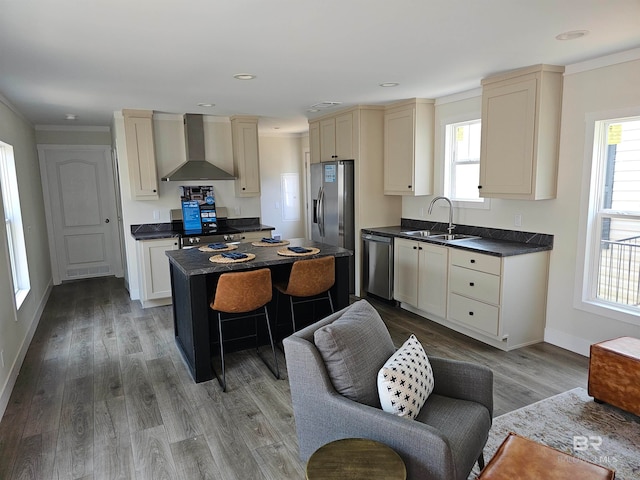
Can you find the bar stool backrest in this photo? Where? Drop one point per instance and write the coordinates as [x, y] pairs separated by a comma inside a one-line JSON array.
[[311, 277], [241, 292]]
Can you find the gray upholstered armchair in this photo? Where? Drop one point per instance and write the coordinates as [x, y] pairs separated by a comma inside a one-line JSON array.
[[445, 439]]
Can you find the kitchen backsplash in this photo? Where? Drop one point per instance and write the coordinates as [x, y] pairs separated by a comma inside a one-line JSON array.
[[495, 233]]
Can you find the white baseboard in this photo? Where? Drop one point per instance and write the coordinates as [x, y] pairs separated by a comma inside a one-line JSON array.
[[7, 388], [568, 342]]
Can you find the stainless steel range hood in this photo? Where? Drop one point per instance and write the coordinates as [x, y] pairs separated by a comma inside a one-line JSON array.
[[196, 168]]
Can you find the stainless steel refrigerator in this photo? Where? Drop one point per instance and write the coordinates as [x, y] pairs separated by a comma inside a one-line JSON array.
[[333, 211]]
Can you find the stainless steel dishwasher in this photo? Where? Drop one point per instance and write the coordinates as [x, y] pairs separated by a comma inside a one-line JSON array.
[[377, 265]]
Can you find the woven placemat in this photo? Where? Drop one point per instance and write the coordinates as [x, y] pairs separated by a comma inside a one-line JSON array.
[[288, 253], [204, 248], [221, 259], [267, 244]]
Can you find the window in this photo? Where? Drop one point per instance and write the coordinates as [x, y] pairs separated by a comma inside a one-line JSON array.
[[462, 161], [612, 264], [17, 251]]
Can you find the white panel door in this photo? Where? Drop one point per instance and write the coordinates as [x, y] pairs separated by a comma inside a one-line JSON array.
[[80, 205]]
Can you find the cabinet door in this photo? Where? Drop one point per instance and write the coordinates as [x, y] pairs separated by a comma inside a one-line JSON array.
[[405, 271], [141, 157], [344, 137], [156, 281], [327, 139], [508, 131], [314, 142], [246, 158], [432, 279], [399, 151]]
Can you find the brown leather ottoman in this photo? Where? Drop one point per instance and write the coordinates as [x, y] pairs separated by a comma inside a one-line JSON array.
[[614, 373], [519, 458]]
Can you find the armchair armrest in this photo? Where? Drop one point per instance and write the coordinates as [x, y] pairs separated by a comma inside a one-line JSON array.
[[463, 380]]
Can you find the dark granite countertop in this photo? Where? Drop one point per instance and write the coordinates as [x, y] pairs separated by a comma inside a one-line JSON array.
[[154, 231], [510, 243], [192, 261]]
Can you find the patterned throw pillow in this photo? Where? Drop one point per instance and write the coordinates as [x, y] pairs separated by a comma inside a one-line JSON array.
[[405, 381]]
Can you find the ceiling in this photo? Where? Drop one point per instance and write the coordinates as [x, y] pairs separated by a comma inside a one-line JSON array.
[[91, 58]]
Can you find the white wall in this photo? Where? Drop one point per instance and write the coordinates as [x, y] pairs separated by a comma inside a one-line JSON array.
[[17, 328], [596, 90]]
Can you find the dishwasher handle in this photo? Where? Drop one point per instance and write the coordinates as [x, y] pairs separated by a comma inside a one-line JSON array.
[[376, 238]]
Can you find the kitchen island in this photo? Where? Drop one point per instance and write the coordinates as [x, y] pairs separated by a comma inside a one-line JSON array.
[[193, 283]]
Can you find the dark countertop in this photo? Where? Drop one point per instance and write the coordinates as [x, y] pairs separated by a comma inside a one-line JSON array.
[[154, 231], [488, 246], [192, 261]]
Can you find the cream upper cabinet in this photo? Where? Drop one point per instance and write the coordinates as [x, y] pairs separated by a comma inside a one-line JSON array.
[[141, 157], [153, 268], [420, 275], [520, 133], [314, 141], [336, 138], [246, 159], [408, 148]]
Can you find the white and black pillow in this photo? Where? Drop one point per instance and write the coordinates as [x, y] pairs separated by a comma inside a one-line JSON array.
[[406, 380]]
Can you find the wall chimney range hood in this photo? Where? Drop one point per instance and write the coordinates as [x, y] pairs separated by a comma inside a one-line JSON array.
[[196, 167]]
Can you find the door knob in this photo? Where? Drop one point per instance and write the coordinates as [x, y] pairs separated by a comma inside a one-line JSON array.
[[106, 221]]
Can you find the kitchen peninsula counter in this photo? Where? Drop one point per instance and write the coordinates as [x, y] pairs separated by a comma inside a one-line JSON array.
[[193, 283]]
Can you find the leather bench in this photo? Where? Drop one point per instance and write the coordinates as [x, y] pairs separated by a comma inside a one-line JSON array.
[[614, 373], [523, 459]]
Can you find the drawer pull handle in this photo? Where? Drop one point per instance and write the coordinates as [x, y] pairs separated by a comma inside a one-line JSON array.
[[472, 261], [471, 313], [415, 248], [471, 284]]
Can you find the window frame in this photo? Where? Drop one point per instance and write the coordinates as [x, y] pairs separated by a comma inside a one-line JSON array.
[[15, 248], [445, 123], [591, 216]]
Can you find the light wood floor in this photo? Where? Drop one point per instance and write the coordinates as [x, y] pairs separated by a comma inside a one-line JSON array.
[[104, 394]]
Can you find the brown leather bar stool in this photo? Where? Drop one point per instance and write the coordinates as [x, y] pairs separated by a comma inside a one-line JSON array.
[[308, 280], [245, 293]]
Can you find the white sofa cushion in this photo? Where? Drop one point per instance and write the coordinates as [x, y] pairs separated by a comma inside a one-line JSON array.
[[405, 381]]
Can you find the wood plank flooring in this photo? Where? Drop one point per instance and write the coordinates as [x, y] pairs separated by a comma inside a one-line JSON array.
[[104, 394]]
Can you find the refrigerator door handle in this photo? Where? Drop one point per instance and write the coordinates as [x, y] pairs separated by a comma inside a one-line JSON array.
[[321, 211]]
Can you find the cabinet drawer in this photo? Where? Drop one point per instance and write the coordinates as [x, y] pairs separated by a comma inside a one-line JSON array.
[[476, 261], [472, 283], [475, 314]]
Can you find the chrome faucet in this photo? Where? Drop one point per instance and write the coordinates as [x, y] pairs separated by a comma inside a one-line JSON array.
[[451, 225]]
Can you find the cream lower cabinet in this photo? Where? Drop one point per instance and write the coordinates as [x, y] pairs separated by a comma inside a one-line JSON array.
[[153, 271], [498, 300], [420, 275]]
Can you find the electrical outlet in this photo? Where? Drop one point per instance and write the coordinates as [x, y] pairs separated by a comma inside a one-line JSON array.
[[517, 220], [237, 210], [422, 212], [277, 205], [156, 214]]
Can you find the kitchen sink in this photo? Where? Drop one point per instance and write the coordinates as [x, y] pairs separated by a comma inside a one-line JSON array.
[[423, 233], [453, 237]]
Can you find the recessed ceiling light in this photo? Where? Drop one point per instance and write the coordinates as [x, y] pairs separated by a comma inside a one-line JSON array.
[[208, 105], [389, 84], [71, 116], [244, 76], [327, 104], [572, 35]]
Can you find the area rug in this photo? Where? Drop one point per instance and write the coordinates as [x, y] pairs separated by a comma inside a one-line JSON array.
[[573, 423]]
